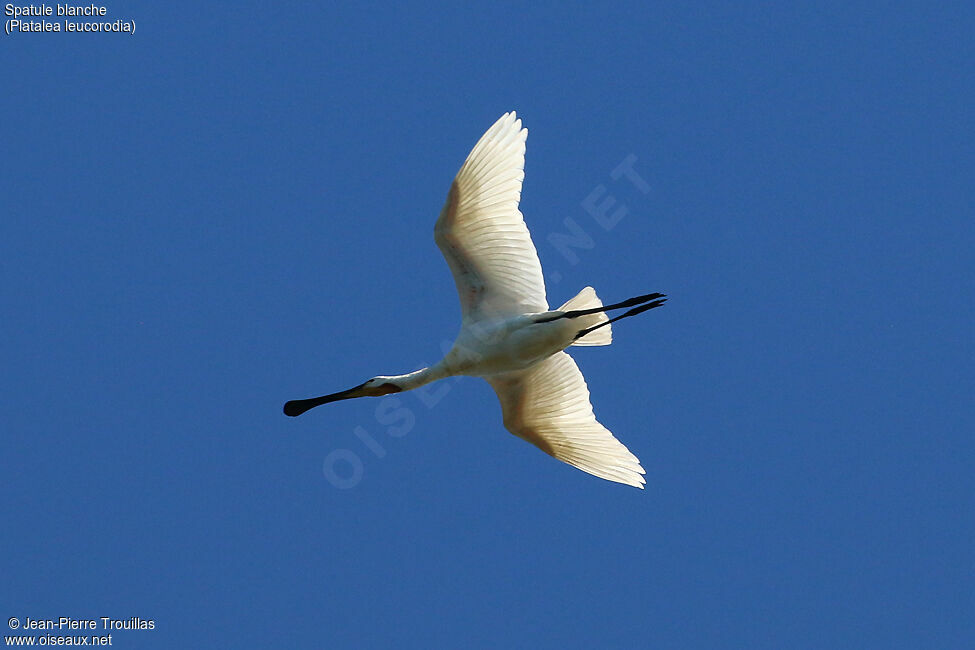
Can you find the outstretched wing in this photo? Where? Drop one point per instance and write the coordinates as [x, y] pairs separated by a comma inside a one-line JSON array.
[[548, 405], [482, 234]]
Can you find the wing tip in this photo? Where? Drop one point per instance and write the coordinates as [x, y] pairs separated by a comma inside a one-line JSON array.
[[511, 121], [627, 476]]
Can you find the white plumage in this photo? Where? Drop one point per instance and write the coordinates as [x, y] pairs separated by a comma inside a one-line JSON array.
[[481, 231], [508, 334]]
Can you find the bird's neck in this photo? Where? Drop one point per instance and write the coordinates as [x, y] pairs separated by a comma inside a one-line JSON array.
[[421, 377]]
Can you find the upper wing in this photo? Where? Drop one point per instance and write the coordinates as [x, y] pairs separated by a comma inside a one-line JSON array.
[[482, 234], [548, 405]]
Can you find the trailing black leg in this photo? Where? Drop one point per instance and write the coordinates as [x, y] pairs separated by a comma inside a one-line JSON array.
[[633, 312], [619, 305]]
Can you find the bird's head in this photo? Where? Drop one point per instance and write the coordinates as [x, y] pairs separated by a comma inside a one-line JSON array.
[[375, 387]]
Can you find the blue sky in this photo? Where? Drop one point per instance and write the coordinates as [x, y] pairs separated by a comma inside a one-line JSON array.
[[234, 207]]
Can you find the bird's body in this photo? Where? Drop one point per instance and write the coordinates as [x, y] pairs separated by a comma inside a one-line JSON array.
[[508, 334], [506, 345]]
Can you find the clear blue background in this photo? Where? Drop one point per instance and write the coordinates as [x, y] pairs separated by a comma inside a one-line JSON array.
[[234, 207]]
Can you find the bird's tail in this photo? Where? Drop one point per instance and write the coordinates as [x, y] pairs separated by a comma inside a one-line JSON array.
[[587, 299]]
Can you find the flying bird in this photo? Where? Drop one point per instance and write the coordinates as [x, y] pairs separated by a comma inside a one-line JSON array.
[[508, 334]]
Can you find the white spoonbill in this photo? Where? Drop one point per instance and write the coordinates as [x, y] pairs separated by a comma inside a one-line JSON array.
[[508, 334]]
